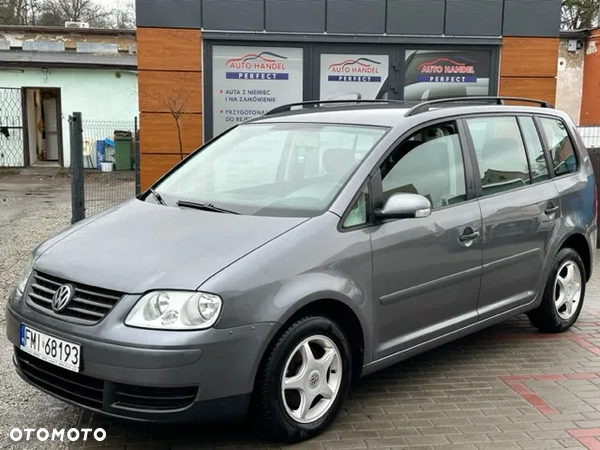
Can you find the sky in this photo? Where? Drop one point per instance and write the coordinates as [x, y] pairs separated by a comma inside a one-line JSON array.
[[111, 3]]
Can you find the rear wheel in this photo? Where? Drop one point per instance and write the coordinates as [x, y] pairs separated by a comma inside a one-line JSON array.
[[563, 295], [305, 379]]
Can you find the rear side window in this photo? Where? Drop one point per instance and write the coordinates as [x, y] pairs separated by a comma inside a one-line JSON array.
[[535, 150], [500, 153], [560, 145]]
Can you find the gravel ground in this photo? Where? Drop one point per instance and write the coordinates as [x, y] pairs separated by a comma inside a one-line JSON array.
[[31, 208]]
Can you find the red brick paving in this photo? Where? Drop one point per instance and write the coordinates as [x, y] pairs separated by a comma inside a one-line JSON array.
[[515, 382], [587, 437], [508, 387]]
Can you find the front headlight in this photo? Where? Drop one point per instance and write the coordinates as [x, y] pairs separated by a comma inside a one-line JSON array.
[[175, 310], [25, 274]]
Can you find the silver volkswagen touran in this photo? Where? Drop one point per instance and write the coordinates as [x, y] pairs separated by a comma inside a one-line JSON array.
[[304, 249]]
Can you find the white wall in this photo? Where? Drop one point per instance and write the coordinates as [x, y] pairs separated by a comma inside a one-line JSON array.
[[569, 80], [97, 93]]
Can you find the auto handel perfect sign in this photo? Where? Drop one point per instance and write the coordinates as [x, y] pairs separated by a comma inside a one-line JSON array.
[[431, 74], [353, 76], [249, 81]]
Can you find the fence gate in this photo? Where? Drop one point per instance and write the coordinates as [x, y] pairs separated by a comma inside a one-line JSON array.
[[11, 128]]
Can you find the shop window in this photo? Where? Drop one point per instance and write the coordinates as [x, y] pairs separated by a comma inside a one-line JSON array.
[[354, 76], [437, 74], [249, 81]]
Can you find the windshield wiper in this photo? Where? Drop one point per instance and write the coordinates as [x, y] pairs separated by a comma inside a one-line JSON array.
[[204, 207], [157, 197]]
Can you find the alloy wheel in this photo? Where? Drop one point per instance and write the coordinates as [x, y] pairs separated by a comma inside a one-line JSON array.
[[311, 379], [567, 289]]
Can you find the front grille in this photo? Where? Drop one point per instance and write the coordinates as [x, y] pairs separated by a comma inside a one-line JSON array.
[[90, 392], [151, 398], [88, 306], [63, 383]]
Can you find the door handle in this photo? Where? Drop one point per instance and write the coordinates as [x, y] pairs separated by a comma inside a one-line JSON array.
[[469, 235], [551, 209]]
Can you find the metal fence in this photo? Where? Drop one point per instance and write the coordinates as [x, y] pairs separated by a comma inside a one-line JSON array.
[[104, 163], [590, 136], [11, 128]]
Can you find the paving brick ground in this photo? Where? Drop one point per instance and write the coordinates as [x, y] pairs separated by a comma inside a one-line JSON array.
[[508, 387]]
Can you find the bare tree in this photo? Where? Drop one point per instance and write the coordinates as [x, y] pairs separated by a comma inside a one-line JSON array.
[[57, 12], [579, 14], [123, 15], [177, 104], [178, 107], [17, 12]]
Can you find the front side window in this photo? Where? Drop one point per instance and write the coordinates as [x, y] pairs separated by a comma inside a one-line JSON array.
[[279, 169], [359, 214], [562, 153], [500, 153], [429, 163]]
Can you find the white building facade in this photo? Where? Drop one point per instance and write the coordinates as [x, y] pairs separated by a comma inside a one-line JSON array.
[[46, 74]]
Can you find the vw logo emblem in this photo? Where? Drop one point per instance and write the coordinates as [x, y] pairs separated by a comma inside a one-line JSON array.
[[313, 381], [62, 297]]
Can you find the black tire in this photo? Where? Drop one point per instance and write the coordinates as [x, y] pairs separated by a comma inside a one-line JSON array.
[[270, 402], [546, 317]]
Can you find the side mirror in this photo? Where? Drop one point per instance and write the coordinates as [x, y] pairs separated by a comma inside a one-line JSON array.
[[404, 206]]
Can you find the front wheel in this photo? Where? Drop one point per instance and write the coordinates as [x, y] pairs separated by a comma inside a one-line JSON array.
[[305, 379], [563, 294]]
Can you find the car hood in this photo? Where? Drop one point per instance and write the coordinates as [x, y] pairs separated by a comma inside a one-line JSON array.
[[140, 246]]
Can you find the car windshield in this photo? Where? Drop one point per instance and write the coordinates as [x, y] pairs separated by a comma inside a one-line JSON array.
[[276, 169]]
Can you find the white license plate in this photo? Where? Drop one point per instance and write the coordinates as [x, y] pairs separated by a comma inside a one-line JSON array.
[[50, 349]]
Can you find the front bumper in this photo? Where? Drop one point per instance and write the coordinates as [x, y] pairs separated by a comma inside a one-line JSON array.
[[211, 380]]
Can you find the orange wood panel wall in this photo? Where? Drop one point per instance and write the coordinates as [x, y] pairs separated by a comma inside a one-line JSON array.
[[169, 80], [528, 67], [590, 101]]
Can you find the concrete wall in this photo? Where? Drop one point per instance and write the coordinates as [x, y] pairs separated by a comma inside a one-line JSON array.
[[569, 79], [58, 39], [97, 94]]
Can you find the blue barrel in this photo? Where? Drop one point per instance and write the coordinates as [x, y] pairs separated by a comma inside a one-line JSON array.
[[100, 153]]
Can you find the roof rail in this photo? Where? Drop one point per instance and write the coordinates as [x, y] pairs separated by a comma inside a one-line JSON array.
[[425, 106], [316, 103]]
